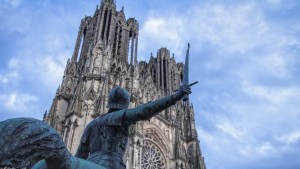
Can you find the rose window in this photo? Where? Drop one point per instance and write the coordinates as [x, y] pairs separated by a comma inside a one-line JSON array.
[[152, 157]]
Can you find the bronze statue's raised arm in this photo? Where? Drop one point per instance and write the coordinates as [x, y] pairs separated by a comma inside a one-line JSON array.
[[84, 146], [148, 110]]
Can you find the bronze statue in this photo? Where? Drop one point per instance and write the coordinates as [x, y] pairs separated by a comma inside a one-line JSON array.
[[104, 140], [25, 141]]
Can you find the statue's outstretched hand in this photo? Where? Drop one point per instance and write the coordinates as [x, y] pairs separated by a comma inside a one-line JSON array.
[[184, 90]]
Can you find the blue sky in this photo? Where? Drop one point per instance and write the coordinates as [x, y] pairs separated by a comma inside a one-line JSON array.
[[245, 55]]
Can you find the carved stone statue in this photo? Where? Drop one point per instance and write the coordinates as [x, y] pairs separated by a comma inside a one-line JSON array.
[[98, 52]]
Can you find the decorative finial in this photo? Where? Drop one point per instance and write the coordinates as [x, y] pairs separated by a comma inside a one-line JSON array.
[[45, 116]]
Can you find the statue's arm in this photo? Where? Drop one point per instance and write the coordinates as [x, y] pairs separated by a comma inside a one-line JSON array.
[[148, 110], [83, 150]]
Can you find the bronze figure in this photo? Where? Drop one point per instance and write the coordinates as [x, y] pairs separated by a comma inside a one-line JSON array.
[[104, 140]]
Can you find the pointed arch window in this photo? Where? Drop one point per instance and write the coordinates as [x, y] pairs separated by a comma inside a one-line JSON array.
[[81, 43]]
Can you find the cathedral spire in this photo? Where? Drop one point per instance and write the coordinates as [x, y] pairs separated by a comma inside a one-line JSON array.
[[96, 10]]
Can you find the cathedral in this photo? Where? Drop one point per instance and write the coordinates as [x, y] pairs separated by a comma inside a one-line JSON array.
[[105, 56]]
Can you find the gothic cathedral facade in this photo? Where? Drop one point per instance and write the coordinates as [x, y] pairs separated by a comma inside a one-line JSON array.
[[105, 56]]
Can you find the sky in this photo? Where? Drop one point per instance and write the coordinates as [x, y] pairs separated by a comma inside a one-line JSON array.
[[245, 55]]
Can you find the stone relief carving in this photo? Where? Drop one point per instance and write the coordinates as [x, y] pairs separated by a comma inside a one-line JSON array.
[[98, 53], [88, 106], [69, 85]]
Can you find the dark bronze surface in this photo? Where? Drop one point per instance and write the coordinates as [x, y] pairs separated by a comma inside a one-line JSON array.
[[106, 136]]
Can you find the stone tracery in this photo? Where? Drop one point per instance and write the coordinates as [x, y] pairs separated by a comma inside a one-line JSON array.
[[152, 156]]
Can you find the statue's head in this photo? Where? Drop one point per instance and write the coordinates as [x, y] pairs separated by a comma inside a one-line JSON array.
[[118, 99]]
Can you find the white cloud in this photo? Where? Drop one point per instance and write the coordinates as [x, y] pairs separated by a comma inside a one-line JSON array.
[[231, 130], [13, 63], [290, 138], [274, 2], [157, 30], [274, 95], [18, 102], [8, 4], [9, 77], [265, 149], [52, 69], [276, 65], [163, 29], [47, 70], [3, 79], [233, 28], [15, 3]]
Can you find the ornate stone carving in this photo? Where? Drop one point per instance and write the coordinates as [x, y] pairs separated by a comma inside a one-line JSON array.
[[152, 157]]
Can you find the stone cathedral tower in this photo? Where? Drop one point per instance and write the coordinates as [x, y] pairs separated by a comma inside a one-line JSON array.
[[105, 56]]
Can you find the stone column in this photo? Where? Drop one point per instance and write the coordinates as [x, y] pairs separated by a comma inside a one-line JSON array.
[[136, 48]]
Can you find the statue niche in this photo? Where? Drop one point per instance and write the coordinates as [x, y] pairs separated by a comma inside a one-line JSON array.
[[89, 102], [69, 86], [88, 107], [99, 54]]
